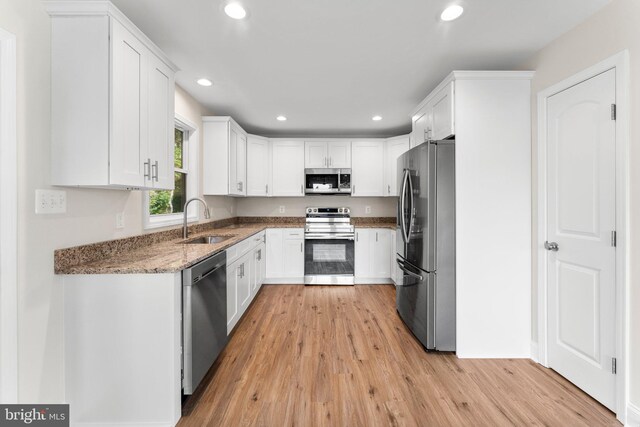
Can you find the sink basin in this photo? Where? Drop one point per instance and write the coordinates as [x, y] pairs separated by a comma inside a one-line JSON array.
[[208, 240]]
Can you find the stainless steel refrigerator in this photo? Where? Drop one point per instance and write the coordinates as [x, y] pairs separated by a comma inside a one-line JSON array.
[[425, 240]]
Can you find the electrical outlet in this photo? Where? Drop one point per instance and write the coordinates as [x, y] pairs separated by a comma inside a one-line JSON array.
[[51, 202], [120, 220], [281, 209], [367, 209]]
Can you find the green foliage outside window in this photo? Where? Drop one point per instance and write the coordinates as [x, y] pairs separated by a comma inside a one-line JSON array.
[[164, 202]]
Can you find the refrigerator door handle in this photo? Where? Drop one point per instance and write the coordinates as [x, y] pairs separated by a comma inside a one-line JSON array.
[[411, 213], [402, 201]]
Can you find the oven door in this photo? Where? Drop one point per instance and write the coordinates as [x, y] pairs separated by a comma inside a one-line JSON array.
[[329, 259]]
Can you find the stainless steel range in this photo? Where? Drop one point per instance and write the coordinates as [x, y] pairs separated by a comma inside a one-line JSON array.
[[329, 247]]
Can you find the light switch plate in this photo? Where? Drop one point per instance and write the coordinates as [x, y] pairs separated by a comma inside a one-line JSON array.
[[367, 209], [51, 202], [281, 209]]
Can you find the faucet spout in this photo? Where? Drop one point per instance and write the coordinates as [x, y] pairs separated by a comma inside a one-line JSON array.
[[207, 215]]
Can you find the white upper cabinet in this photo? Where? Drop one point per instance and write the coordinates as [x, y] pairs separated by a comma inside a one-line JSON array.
[[315, 154], [442, 116], [258, 166], [327, 154], [224, 157], [287, 168], [339, 154], [435, 119], [394, 147], [112, 101], [367, 177]]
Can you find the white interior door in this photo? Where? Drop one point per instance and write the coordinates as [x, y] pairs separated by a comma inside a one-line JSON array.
[[581, 220]]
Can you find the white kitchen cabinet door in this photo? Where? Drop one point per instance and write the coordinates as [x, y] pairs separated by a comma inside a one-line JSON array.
[[288, 168], [275, 253], [129, 157], [362, 256], [367, 168], [259, 268], [161, 125], [394, 147], [380, 239], [245, 281], [237, 160], [315, 154], [339, 154], [293, 264], [442, 113], [421, 127], [258, 164], [233, 279]]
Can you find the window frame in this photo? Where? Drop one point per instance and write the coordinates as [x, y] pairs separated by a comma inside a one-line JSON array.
[[190, 156]]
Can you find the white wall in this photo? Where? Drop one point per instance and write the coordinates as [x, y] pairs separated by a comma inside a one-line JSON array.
[[90, 214], [295, 206], [611, 30]]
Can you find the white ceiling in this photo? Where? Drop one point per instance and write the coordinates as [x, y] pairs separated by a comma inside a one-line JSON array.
[[330, 65]]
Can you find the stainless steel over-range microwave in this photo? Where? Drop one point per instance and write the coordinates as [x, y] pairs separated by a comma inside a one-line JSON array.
[[327, 181]]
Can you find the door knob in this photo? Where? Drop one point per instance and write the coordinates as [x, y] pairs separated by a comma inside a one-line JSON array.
[[553, 246]]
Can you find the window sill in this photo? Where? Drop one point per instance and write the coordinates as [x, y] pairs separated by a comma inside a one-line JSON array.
[[168, 220]]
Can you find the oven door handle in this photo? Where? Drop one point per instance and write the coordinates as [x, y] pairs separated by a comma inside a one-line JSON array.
[[321, 236]]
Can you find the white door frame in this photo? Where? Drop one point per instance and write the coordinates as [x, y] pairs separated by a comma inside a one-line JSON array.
[[8, 222], [619, 62]]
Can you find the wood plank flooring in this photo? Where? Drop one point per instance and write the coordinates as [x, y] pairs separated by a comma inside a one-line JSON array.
[[340, 356]]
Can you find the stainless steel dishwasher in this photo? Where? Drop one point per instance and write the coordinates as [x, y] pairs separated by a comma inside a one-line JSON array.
[[204, 318]]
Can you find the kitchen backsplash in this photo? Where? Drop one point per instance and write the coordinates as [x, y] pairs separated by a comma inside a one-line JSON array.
[[295, 206]]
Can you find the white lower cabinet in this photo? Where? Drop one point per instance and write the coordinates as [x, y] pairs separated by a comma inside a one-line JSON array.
[[373, 249], [285, 255], [244, 276]]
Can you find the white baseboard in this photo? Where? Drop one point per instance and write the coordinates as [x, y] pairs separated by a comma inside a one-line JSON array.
[[386, 281], [534, 352], [284, 281], [633, 416]]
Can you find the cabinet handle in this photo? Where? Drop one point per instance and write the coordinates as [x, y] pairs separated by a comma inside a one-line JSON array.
[[388, 189], [330, 161], [300, 246], [376, 236], [325, 162], [266, 188], [356, 237], [147, 169], [353, 189], [239, 186], [154, 168], [260, 255], [239, 271], [302, 189]]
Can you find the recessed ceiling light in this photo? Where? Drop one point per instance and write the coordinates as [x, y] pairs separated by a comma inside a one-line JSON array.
[[376, 118], [235, 11], [204, 82], [451, 13], [281, 118]]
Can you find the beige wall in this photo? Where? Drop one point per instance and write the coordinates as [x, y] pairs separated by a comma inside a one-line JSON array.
[[295, 206], [614, 28], [90, 214]]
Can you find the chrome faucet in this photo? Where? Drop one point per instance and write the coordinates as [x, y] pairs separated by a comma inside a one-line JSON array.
[[207, 215]]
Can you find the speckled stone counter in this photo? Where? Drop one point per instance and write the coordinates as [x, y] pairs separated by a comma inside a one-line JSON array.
[[167, 252]]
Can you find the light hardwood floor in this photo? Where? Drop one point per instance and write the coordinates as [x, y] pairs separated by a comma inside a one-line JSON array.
[[340, 356]]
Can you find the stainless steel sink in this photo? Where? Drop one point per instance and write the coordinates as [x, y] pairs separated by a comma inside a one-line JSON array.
[[208, 240]]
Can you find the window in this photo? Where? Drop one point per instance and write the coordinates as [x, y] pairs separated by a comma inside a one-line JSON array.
[[164, 207]]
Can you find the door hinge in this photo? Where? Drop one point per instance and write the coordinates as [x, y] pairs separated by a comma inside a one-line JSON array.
[[614, 367], [614, 239], [613, 111]]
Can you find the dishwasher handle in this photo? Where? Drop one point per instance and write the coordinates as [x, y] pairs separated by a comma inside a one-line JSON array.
[[203, 275]]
